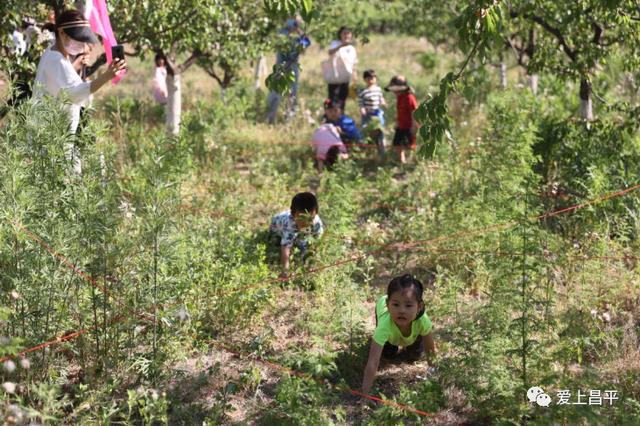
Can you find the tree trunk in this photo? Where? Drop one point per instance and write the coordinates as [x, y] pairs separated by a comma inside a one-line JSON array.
[[261, 70], [586, 106], [533, 83], [174, 103], [503, 74]]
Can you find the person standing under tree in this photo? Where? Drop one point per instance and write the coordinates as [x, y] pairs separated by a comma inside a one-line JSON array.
[[298, 42], [160, 80], [19, 44], [340, 69], [57, 73]]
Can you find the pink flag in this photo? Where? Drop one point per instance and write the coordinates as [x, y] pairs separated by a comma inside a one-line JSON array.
[[96, 13]]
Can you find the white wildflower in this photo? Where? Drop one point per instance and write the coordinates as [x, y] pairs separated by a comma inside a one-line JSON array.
[[25, 363], [15, 295], [182, 314], [126, 209], [17, 413], [9, 387], [9, 366]]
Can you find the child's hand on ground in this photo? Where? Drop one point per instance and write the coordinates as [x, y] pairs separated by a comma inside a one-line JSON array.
[[366, 404]]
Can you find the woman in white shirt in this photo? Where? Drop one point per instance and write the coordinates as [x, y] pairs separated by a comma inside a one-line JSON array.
[[346, 58], [57, 73]]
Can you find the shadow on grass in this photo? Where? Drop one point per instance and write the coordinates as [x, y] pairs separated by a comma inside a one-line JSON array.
[[352, 360], [299, 267], [184, 407]]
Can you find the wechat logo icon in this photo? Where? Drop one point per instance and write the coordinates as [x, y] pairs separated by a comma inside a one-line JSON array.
[[536, 394]]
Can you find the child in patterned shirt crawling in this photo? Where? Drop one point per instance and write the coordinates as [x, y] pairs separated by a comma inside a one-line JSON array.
[[294, 227]]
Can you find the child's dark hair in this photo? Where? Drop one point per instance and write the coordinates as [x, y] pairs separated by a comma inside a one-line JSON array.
[[404, 282], [343, 28], [159, 56], [332, 103], [304, 202]]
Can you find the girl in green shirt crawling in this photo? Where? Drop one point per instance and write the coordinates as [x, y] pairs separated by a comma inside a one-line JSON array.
[[400, 321]]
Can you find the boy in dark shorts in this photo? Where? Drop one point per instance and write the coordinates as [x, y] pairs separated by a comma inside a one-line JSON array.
[[406, 126]]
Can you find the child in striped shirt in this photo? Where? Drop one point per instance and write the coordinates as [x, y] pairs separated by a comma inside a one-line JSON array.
[[371, 101]]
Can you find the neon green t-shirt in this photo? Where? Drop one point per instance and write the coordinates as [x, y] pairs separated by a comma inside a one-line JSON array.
[[388, 332]]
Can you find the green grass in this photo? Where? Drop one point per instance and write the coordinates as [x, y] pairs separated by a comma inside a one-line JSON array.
[[206, 198]]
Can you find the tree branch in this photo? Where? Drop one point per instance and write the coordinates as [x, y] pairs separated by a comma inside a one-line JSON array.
[[172, 27], [633, 18], [213, 74], [531, 46], [468, 58], [172, 67], [597, 32], [518, 51], [191, 60], [556, 32], [169, 65]]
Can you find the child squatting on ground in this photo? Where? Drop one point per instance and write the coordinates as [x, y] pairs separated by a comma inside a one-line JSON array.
[[294, 227], [328, 146], [347, 127], [406, 127], [400, 321]]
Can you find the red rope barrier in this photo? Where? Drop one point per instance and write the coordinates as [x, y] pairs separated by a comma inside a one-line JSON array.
[[62, 259], [460, 234], [54, 341], [59, 339], [504, 253], [588, 203], [396, 245]]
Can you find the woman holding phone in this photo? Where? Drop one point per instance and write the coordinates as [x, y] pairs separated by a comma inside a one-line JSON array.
[[56, 71], [60, 66]]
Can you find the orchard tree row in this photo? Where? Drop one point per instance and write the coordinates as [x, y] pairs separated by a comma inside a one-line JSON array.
[[220, 36], [570, 39]]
